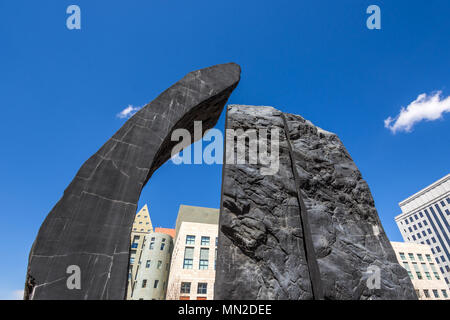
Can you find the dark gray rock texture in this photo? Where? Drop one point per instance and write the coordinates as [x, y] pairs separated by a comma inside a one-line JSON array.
[[310, 231], [90, 226]]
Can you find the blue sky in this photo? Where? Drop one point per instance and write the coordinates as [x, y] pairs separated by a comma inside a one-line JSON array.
[[61, 90]]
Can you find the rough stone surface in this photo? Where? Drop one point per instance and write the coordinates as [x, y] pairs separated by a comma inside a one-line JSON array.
[[90, 226], [311, 231]]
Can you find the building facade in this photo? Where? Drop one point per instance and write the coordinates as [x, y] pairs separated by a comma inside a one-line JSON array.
[[193, 267], [152, 269], [425, 275], [142, 225], [425, 219]]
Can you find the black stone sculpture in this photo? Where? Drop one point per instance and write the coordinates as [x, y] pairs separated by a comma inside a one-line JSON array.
[[309, 231], [90, 226]]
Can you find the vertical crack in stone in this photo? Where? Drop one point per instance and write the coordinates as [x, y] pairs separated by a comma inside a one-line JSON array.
[[313, 267]]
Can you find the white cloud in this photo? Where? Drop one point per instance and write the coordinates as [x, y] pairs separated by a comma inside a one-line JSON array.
[[425, 107], [128, 112]]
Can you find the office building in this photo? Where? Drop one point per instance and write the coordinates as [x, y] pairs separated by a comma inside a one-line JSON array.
[[425, 275], [192, 271], [425, 219]]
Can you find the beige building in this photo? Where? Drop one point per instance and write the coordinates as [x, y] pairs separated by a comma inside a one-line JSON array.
[[425, 275], [142, 226], [193, 267], [152, 269]]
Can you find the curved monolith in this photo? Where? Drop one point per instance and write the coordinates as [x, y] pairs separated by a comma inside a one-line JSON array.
[[87, 233]]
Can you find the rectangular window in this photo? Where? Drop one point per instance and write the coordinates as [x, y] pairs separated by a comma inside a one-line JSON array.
[[144, 283], [156, 284], [411, 256], [147, 264], [426, 293], [205, 241], [435, 293], [159, 264], [402, 256], [202, 288], [152, 245], [416, 268], [162, 246], [444, 293], [188, 258], [204, 258], [436, 274], [217, 241], [190, 239], [406, 266], [420, 257], [185, 287]]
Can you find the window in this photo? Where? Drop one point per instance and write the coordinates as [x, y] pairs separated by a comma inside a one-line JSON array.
[[153, 239], [414, 237], [217, 241], [205, 241], [202, 288], [447, 268], [447, 212], [416, 268], [163, 240], [159, 264], [443, 258], [162, 246], [131, 260], [436, 274], [147, 264], [425, 223], [402, 256], [411, 219], [426, 293], [144, 283], [204, 258], [190, 239], [438, 249], [420, 257], [406, 221], [425, 269], [443, 203], [444, 293], [134, 245], [428, 242], [152, 245], [188, 258], [415, 227], [421, 214], [435, 293], [424, 233], [411, 256], [185, 287], [415, 216], [406, 266], [420, 225], [155, 285], [429, 231], [410, 229]]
